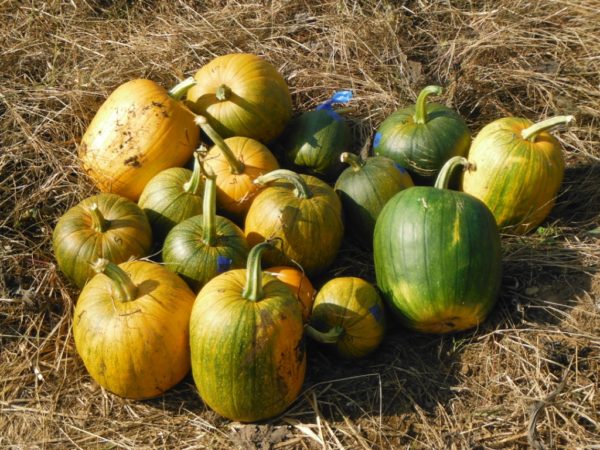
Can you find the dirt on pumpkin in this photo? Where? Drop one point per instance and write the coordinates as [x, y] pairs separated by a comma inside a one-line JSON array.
[[526, 378]]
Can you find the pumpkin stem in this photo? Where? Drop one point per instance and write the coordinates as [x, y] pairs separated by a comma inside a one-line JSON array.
[[237, 167], [531, 133], [446, 171], [99, 222], [355, 161], [180, 89], [301, 189], [223, 92], [253, 289], [421, 105], [209, 207], [327, 337], [126, 290], [195, 182]]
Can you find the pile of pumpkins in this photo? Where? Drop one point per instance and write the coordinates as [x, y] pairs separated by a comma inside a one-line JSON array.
[[140, 325]]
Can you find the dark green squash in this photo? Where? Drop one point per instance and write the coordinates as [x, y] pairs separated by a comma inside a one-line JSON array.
[[313, 142], [247, 343], [364, 188], [348, 314], [437, 256], [423, 137], [102, 226], [172, 196], [201, 247]]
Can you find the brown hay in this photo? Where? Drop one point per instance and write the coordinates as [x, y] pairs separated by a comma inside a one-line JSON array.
[[473, 390]]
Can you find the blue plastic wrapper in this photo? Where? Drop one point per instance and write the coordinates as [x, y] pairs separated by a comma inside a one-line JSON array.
[[223, 264], [376, 312], [376, 139], [337, 97]]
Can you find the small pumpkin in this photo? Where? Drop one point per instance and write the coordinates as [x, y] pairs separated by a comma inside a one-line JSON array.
[[518, 169], [423, 137], [102, 226], [364, 188], [140, 130], [313, 142], [437, 256], [131, 328], [201, 247], [301, 210], [348, 314], [300, 285], [236, 162], [172, 196], [247, 346], [242, 94]]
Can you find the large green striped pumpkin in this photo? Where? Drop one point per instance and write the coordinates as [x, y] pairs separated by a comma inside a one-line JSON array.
[[518, 170], [437, 257]]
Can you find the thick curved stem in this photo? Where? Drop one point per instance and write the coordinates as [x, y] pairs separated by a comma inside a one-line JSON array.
[[180, 89], [355, 161], [448, 168], [421, 105], [99, 222], [237, 167], [530, 133], [223, 92], [126, 290], [301, 189], [209, 208], [253, 289], [194, 185], [327, 337]]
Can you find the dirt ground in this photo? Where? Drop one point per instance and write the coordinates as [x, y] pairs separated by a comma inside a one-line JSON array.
[[527, 378]]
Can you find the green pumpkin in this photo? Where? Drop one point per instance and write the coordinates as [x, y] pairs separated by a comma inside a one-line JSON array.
[[364, 188], [247, 343], [103, 226], [348, 315], [172, 196], [201, 247], [518, 169], [313, 142], [423, 137], [301, 210], [437, 257]]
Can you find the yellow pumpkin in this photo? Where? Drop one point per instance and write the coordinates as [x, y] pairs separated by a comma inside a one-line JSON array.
[[242, 95], [140, 130], [131, 328]]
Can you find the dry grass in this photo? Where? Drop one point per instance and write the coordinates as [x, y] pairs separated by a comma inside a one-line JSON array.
[[528, 377]]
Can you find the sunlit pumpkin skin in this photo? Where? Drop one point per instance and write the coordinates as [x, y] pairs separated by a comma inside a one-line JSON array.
[[300, 285], [242, 95], [172, 196], [138, 131], [422, 137], [138, 347], [437, 257], [115, 229], [364, 188], [348, 314], [304, 212], [517, 178], [236, 162], [247, 346], [313, 142], [201, 247]]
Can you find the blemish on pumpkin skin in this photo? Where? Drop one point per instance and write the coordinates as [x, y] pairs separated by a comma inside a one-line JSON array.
[[133, 161]]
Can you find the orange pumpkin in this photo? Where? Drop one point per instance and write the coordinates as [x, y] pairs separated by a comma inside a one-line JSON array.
[[140, 130], [236, 163], [300, 285]]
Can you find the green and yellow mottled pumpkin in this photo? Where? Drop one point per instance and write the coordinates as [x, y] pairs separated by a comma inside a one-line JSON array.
[[247, 346], [518, 169]]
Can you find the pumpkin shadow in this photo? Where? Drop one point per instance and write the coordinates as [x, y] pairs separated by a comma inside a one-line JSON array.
[[578, 200]]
